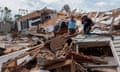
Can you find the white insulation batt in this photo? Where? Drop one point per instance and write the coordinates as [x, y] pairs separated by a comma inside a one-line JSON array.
[[26, 58]]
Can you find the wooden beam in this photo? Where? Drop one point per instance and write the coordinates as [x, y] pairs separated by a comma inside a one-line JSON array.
[[93, 44], [102, 66], [72, 67], [58, 65]]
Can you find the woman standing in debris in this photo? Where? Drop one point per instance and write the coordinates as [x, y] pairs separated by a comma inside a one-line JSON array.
[[71, 25]]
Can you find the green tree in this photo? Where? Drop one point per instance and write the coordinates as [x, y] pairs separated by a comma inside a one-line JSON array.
[[6, 14], [17, 16]]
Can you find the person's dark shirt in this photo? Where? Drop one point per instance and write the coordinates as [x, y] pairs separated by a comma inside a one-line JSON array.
[[87, 22]]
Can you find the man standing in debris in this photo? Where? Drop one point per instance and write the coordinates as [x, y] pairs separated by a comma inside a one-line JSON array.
[[87, 23], [71, 25]]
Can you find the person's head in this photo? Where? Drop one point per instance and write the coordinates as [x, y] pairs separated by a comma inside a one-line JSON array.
[[84, 16], [72, 17]]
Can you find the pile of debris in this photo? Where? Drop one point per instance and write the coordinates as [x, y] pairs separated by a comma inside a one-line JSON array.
[[65, 58], [51, 51], [106, 22]]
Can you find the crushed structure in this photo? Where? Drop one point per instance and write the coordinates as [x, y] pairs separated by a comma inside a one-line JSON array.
[[47, 47]]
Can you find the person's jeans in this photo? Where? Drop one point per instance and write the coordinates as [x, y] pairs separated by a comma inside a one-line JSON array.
[[86, 30], [71, 31]]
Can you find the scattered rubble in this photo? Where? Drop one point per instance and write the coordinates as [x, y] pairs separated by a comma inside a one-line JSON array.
[[48, 47]]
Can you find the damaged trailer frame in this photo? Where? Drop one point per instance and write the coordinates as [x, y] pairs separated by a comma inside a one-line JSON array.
[[99, 41], [72, 64], [69, 65]]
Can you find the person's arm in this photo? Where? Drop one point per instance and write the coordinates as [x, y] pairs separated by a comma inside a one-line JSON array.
[[71, 45], [82, 22]]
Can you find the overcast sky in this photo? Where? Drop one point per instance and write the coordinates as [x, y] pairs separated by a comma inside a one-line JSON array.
[[86, 5]]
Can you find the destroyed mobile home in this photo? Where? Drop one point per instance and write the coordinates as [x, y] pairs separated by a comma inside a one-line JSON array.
[[47, 46]]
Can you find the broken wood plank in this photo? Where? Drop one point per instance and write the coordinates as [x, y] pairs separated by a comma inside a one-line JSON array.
[[85, 58], [58, 65]]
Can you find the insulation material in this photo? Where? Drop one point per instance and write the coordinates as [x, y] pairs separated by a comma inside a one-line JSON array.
[[108, 13], [79, 25], [99, 31], [26, 58], [50, 28], [117, 20], [108, 22]]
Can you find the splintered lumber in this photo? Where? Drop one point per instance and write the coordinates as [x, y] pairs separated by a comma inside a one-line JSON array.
[[42, 35], [79, 67], [116, 27], [57, 43], [59, 64], [19, 70], [72, 65], [7, 70], [33, 53], [85, 58], [7, 57], [25, 70], [32, 49], [11, 63], [93, 44], [102, 66], [10, 50], [63, 37]]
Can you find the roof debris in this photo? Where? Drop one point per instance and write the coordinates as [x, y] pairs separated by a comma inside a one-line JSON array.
[[48, 47]]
